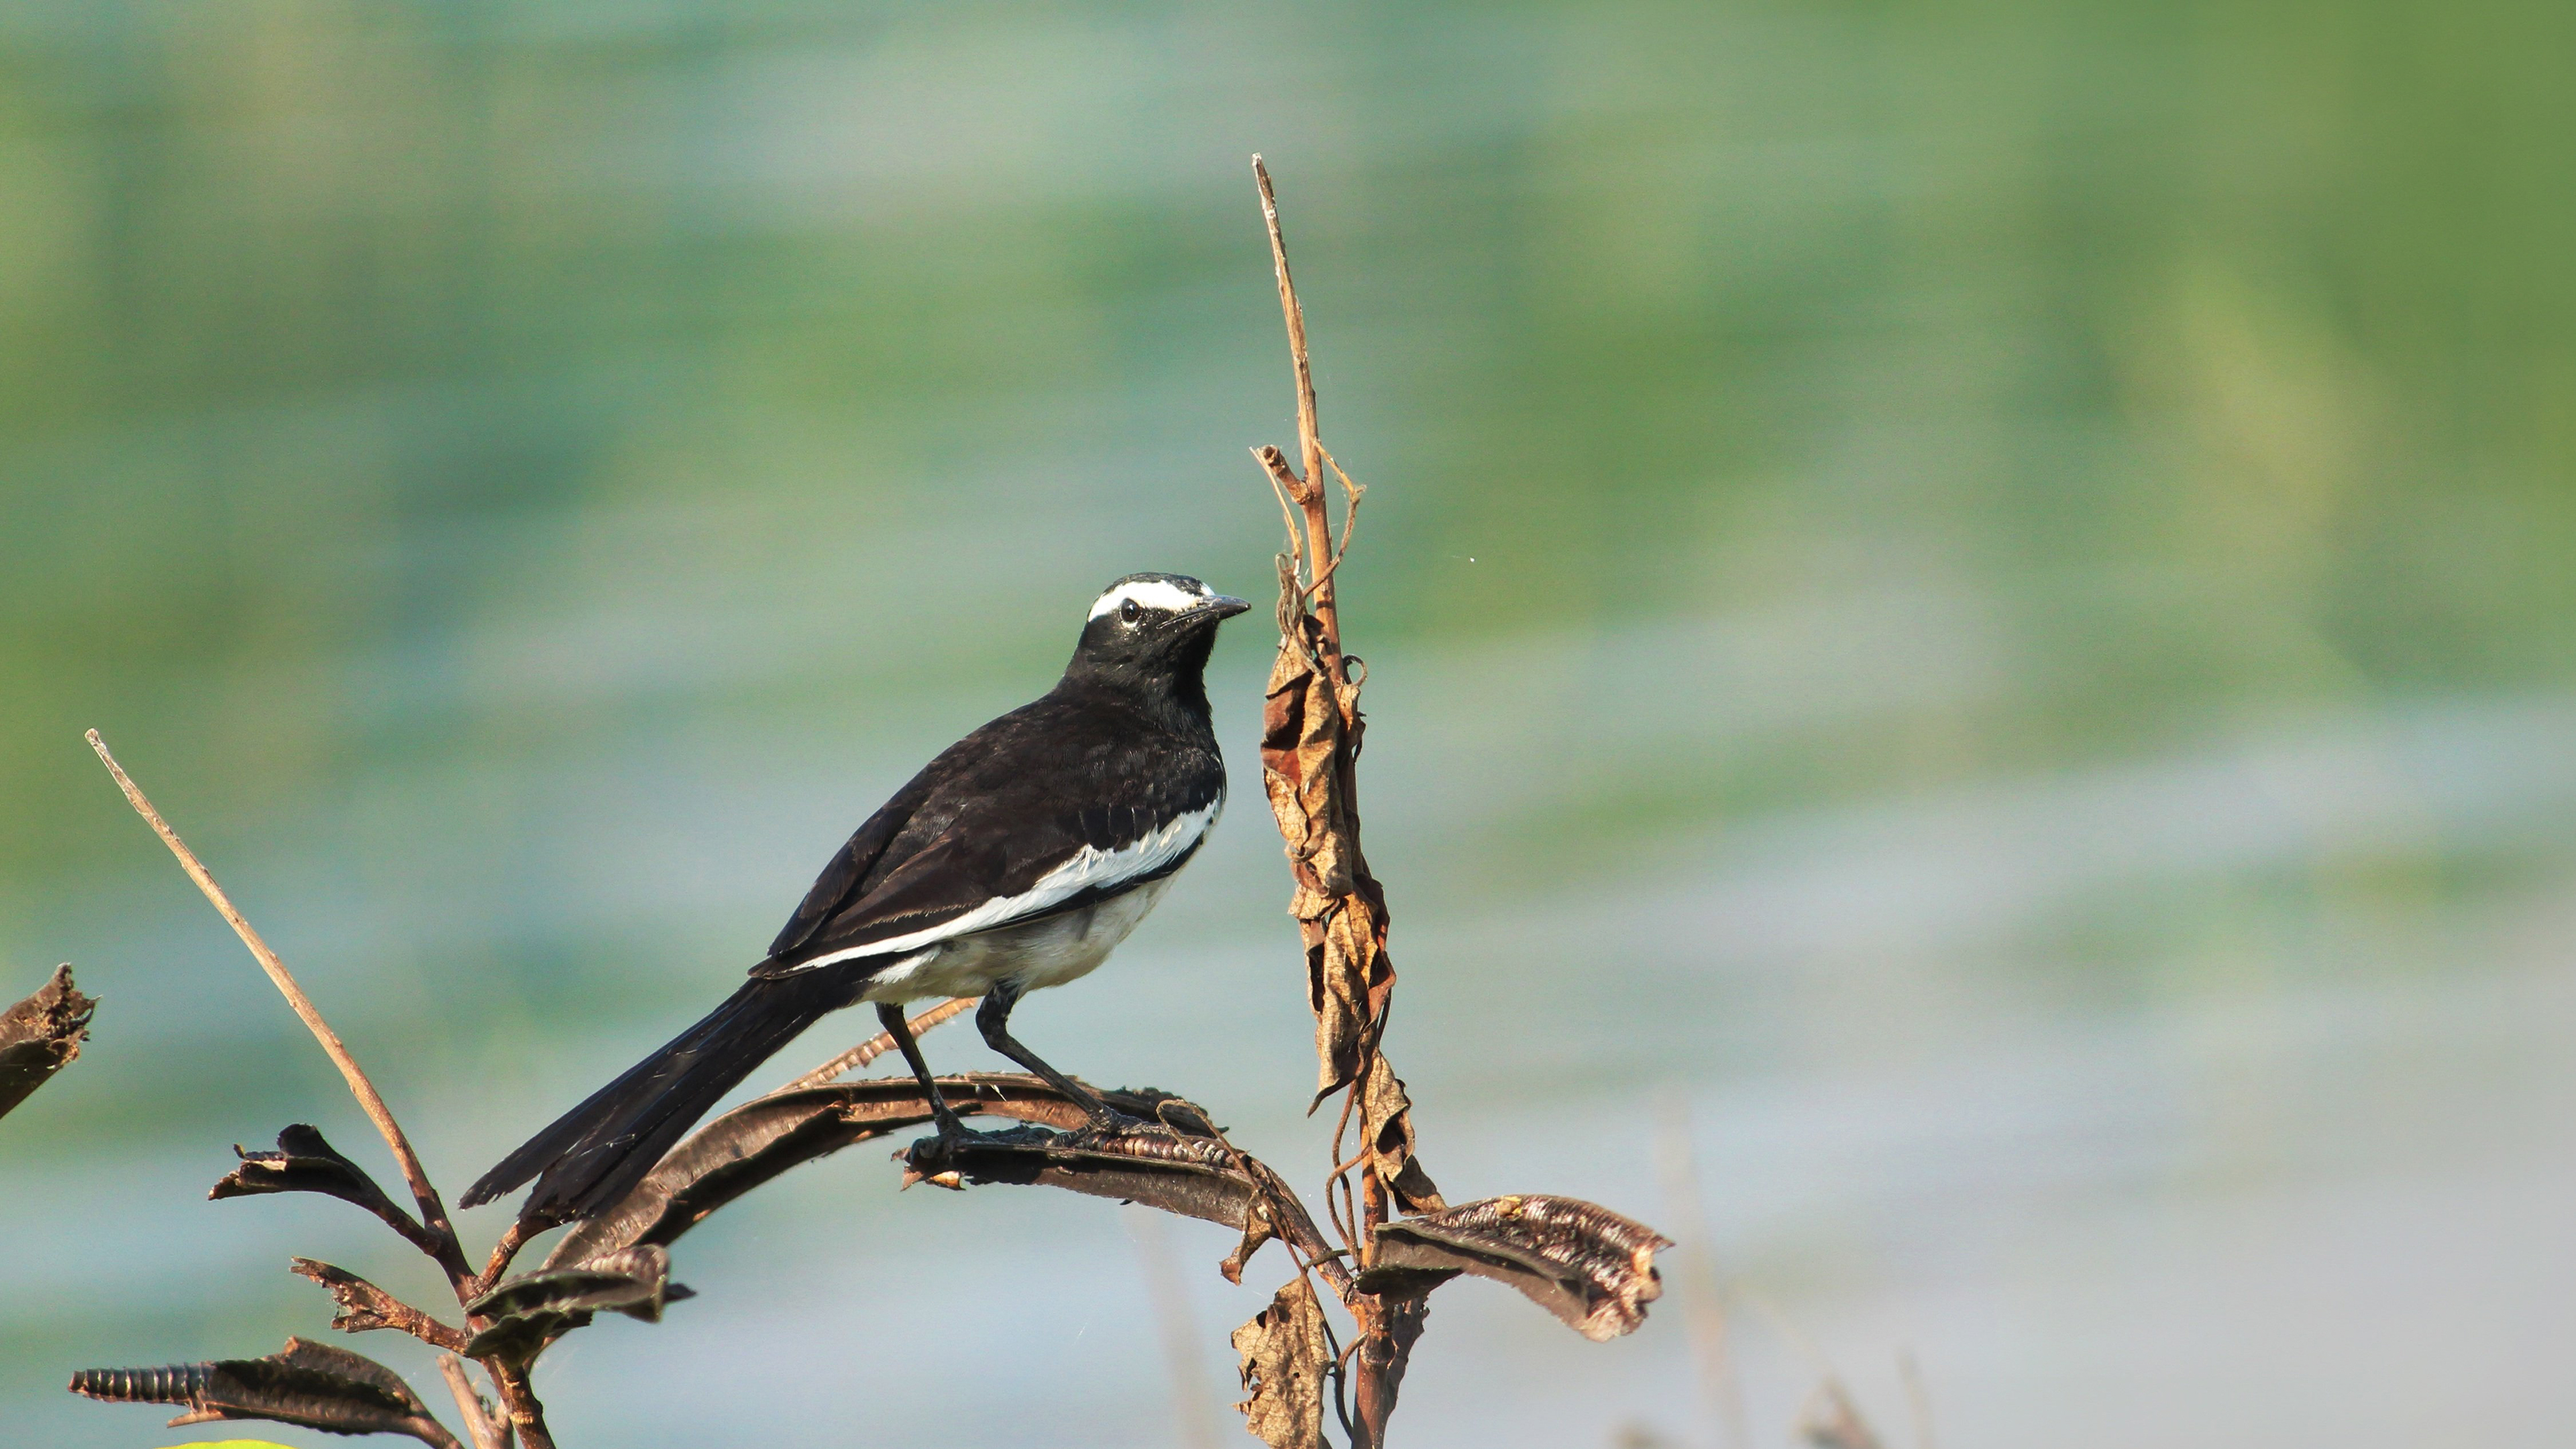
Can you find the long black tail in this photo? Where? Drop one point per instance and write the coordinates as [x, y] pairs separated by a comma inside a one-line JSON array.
[[597, 1152]]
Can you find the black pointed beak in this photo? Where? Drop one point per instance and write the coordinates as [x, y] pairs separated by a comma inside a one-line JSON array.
[[1223, 607]]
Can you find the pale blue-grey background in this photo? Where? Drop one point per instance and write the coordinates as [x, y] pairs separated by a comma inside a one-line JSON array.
[[1980, 595]]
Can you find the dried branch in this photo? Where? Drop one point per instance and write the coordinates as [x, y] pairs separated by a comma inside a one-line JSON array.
[[481, 1425], [1703, 1299], [308, 1384], [1307, 491], [436, 1233], [1177, 1161], [433, 1214], [1591, 1267], [40, 1036], [364, 1307], [513, 1237], [1832, 1421]]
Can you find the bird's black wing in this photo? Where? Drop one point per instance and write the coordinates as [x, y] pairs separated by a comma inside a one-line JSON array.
[[1023, 817], [845, 877]]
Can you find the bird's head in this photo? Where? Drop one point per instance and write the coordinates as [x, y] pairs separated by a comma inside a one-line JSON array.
[[1149, 629]]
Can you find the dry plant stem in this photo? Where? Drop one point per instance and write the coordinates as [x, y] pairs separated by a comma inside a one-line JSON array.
[[365, 1306], [433, 1213], [1385, 1325], [1308, 492], [519, 1401], [512, 1238], [1193, 1423], [469, 1404], [1918, 1398], [1703, 1303]]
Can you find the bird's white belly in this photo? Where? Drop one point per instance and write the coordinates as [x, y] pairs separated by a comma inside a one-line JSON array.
[[1046, 952]]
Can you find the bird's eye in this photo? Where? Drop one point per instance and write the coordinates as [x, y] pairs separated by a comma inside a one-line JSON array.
[[1131, 611]]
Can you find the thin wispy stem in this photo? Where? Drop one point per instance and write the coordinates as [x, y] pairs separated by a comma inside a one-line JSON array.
[[433, 1213]]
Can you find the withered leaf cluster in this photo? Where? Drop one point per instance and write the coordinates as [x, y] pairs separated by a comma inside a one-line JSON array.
[[1310, 742], [526, 1313], [309, 1384], [1591, 1267]]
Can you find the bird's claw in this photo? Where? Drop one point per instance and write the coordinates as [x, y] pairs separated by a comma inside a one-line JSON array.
[[933, 1159], [1105, 1124]]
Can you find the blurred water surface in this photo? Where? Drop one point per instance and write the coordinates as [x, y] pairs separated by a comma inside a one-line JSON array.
[[1982, 595]]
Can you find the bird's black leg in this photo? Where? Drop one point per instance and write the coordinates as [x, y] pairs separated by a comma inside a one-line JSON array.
[[891, 1013], [993, 1019]]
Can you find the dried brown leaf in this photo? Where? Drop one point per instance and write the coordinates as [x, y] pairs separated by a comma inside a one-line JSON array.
[[308, 1384], [304, 1162], [1301, 737], [1387, 1116], [1592, 1268], [1282, 1357], [40, 1036], [534, 1309], [1311, 736]]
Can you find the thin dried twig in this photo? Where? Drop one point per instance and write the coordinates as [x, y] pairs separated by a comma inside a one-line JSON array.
[[433, 1213], [1192, 1421], [471, 1406], [513, 1237], [1704, 1302], [1918, 1398], [1310, 439], [363, 1307]]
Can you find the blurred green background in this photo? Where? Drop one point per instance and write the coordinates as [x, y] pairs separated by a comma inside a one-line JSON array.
[[1979, 596]]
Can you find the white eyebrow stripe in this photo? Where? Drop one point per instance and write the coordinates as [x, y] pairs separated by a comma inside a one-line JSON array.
[[1153, 594]]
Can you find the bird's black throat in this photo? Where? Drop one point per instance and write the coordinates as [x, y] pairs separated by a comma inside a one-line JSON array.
[[1164, 677]]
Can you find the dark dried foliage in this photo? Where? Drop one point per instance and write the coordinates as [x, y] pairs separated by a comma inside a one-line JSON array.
[[1592, 1268], [534, 1309], [1192, 1176], [308, 1384], [304, 1162], [767, 1136], [40, 1036]]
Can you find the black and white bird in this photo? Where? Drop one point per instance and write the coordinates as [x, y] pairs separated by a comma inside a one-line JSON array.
[[1017, 859]]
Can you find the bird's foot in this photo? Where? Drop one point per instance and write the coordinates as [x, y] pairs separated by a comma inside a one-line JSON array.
[[1108, 1122], [934, 1159]]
